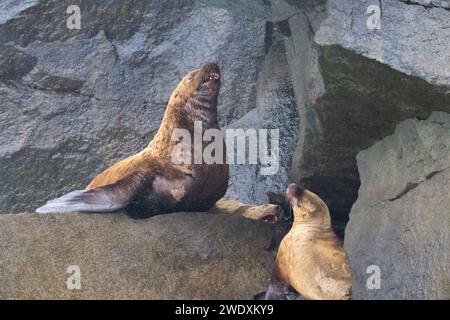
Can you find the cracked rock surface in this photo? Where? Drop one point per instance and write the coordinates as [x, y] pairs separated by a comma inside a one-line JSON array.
[[401, 220]]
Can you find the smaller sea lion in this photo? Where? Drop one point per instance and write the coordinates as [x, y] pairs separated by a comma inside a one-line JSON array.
[[311, 258], [268, 212]]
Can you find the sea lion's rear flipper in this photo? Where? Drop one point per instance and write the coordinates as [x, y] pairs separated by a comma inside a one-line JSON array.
[[106, 198]]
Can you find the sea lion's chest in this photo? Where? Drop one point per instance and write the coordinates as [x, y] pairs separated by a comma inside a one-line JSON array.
[[176, 189], [188, 180], [194, 183]]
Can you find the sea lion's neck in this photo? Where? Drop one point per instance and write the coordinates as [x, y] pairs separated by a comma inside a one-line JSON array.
[[304, 229], [182, 115], [317, 222], [202, 108]]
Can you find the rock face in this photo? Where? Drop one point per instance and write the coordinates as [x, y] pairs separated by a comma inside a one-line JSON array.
[[275, 110], [353, 85], [174, 256], [401, 220], [422, 52]]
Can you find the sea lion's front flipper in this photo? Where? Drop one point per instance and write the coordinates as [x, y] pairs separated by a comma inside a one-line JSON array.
[[106, 198], [279, 285], [277, 290]]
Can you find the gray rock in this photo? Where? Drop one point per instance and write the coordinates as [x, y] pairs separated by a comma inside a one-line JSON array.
[[414, 36], [174, 256], [347, 100], [275, 109], [270, 10], [243, 175], [430, 3], [401, 220], [12, 8]]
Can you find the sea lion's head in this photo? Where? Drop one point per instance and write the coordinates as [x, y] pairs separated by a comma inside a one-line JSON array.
[[307, 207], [202, 84]]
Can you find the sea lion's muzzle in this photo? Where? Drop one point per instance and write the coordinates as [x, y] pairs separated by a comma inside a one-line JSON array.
[[211, 72], [212, 77], [210, 81]]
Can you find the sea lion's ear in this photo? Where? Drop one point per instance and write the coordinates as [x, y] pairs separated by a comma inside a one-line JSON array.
[[107, 198]]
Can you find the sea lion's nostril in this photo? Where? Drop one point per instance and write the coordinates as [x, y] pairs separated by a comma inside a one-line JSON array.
[[211, 77]]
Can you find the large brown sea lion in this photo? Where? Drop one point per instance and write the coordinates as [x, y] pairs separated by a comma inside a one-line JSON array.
[[310, 258], [149, 181]]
